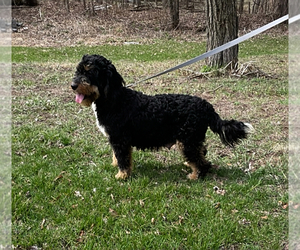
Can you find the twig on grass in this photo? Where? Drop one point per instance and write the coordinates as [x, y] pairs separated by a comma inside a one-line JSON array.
[[213, 90]]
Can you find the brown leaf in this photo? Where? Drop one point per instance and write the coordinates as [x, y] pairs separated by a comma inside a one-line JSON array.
[[245, 222], [80, 238], [59, 176], [217, 205], [142, 203], [113, 212]]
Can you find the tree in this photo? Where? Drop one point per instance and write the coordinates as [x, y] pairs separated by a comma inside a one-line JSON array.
[[222, 27], [241, 6], [174, 11], [281, 8]]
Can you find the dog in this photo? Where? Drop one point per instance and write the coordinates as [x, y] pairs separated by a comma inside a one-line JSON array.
[[132, 119]]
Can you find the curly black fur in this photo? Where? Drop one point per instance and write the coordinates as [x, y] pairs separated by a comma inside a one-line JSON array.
[[130, 118]]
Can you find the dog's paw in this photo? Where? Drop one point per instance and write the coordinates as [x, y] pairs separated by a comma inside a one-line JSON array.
[[192, 176], [122, 175]]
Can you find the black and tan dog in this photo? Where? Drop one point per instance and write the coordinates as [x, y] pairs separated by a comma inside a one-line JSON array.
[[132, 119]]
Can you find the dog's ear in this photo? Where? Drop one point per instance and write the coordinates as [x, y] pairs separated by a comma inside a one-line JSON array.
[[114, 80], [84, 57]]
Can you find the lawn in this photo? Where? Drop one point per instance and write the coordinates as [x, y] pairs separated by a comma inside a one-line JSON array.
[[65, 195]]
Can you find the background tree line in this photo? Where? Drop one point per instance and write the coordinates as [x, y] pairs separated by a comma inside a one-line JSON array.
[[276, 7], [221, 17]]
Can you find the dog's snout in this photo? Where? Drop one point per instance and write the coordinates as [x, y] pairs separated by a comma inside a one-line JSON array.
[[74, 86]]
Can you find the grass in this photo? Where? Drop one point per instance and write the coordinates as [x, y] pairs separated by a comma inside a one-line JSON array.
[[65, 195], [156, 51]]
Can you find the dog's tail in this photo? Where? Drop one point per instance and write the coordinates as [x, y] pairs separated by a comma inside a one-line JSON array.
[[230, 131]]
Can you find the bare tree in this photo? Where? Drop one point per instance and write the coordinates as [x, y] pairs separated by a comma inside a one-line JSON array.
[[222, 27], [174, 12], [241, 6], [256, 6], [32, 2], [280, 7]]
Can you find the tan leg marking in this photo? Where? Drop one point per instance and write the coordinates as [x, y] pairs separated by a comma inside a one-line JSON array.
[[124, 174], [114, 160], [195, 173]]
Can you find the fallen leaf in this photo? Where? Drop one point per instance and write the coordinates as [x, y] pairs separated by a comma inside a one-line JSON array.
[[219, 190], [217, 205], [78, 194], [58, 177], [157, 232], [113, 212], [80, 238], [244, 222], [180, 220], [142, 203], [42, 224]]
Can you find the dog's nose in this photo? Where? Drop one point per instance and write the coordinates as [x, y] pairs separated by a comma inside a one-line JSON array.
[[74, 86]]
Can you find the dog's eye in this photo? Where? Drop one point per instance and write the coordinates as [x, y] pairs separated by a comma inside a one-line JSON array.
[[87, 67]]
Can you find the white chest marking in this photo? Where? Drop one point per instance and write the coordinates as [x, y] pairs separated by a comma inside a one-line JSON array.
[[100, 126]]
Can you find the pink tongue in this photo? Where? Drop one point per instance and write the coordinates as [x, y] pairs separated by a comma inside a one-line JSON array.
[[79, 98]]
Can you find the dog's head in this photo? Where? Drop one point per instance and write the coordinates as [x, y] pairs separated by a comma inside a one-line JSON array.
[[95, 77]]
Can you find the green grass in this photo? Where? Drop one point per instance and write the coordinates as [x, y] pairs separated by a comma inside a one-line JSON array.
[[156, 51], [65, 195]]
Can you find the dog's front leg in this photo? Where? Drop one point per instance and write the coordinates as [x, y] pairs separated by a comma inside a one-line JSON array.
[[122, 157], [114, 160]]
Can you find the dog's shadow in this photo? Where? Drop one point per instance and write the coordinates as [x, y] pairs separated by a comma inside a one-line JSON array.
[[178, 172]]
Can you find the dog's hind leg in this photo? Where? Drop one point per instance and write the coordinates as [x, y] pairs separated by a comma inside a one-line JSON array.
[[123, 158], [195, 156]]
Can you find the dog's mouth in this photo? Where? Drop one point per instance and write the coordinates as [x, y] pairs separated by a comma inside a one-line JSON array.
[[79, 98], [86, 93]]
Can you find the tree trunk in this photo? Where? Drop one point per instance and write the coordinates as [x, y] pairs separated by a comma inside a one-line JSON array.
[[222, 27], [256, 6], [174, 12], [280, 8], [241, 6], [31, 2]]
